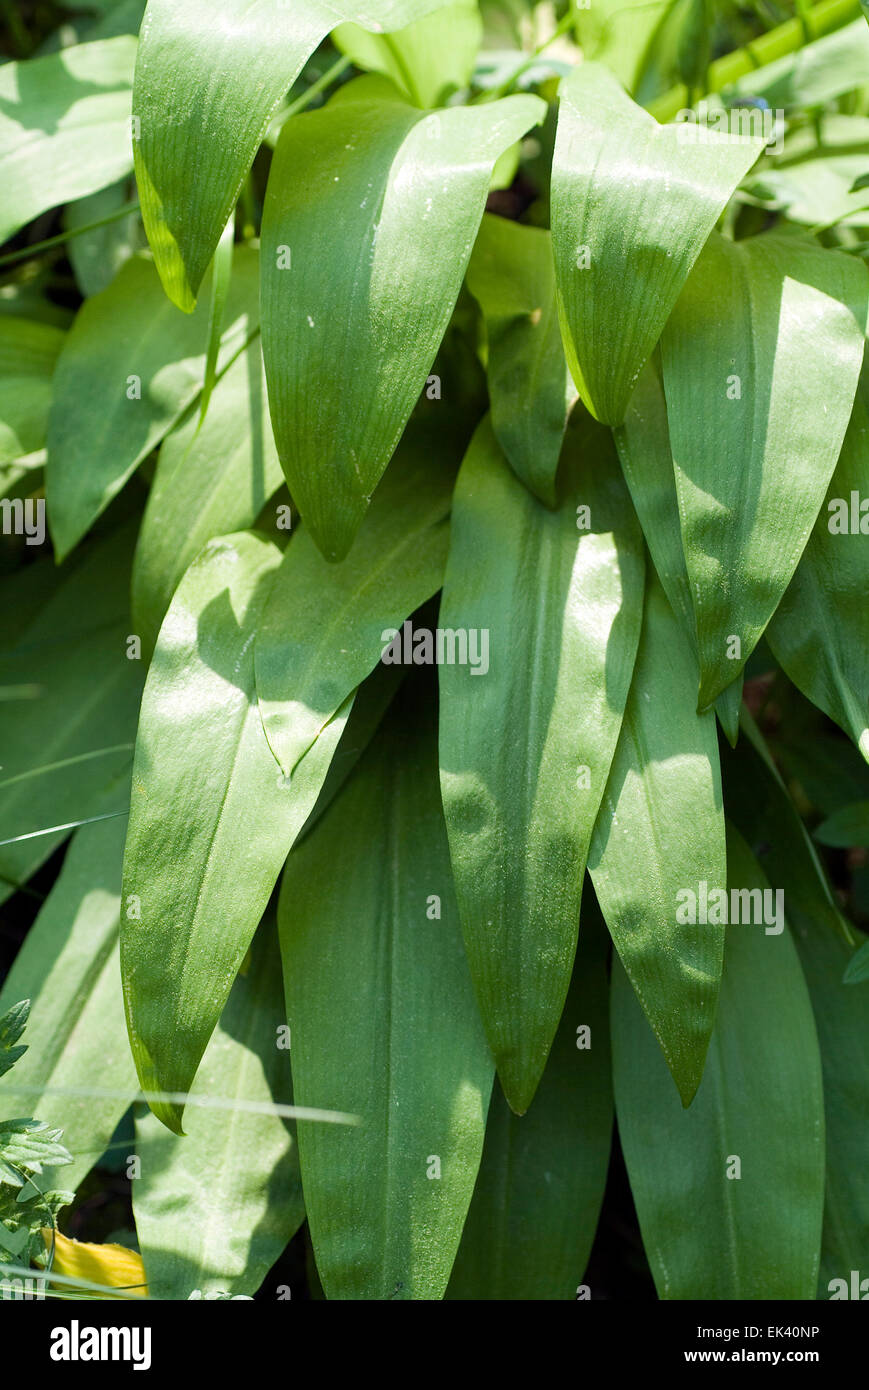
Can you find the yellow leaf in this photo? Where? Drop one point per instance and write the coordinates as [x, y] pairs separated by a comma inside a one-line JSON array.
[[113, 1266]]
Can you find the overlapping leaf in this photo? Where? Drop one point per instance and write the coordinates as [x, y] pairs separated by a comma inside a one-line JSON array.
[[28, 353], [64, 127], [531, 391], [384, 1025], [129, 368], [632, 205], [427, 60], [212, 818], [216, 1208], [764, 330], [527, 736], [820, 631], [712, 1229], [349, 340], [202, 119], [661, 830]]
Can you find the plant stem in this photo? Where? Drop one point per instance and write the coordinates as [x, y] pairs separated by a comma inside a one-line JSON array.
[[778, 43], [316, 88], [39, 246]]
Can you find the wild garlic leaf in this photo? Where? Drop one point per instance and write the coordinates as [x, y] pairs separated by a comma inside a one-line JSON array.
[[511, 276], [765, 329], [212, 818], [427, 60], [730, 1192], [550, 605], [383, 1022], [129, 368], [28, 355], [200, 119], [632, 204], [819, 633], [64, 127], [349, 341], [661, 829]]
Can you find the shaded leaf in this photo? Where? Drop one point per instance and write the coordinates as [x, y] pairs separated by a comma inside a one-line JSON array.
[[28, 353], [427, 60]]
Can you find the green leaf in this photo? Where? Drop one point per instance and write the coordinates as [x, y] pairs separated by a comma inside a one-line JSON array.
[[12, 1025], [632, 204], [212, 818], [429, 60], [215, 1209], [202, 119], [129, 368], [840, 1015], [30, 1145], [820, 631], [59, 769], [64, 127], [618, 33], [210, 481], [643, 443], [97, 256], [813, 75], [858, 967], [528, 734], [325, 627], [811, 182], [661, 830], [764, 329], [28, 353], [384, 1024], [708, 1235], [349, 340], [758, 802], [526, 1238], [511, 276], [847, 827], [68, 964]]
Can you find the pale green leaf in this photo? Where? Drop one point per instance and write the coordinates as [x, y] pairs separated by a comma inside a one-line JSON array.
[[28, 353], [427, 60]]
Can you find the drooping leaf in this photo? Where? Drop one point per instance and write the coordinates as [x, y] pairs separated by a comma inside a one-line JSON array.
[[129, 368], [349, 340], [820, 631], [536, 1203], [57, 769], [64, 127], [764, 329], [427, 60], [326, 626], [216, 1208], [384, 1023], [511, 275], [202, 119], [730, 1192], [643, 443], [212, 817], [209, 482], [68, 965], [529, 725], [660, 830], [632, 205]]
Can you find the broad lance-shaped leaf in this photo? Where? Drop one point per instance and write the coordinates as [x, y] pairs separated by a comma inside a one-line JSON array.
[[325, 627], [661, 830], [72, 656], [349, 340], [427, 60], [820, 631], [846, 827], [28, 353], [216, 1208], [730, 1192], [68, 966], [129, 368], [212, 818], [550, 603], [511, 275], [764, 330], [209, 482], [759, 804], [541, 1182], [201, 119], [643, 442], [384, 1022], [632, 204], [64, 127]]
